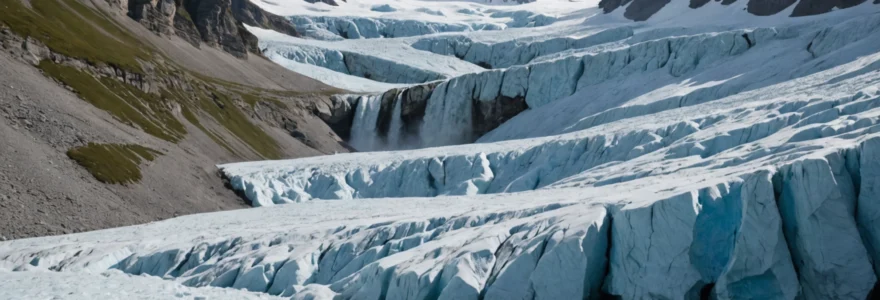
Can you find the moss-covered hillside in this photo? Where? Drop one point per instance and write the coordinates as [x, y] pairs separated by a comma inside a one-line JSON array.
[[152, 94]]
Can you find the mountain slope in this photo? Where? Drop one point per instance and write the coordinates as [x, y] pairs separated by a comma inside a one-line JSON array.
[[80, 77], [704, 153]]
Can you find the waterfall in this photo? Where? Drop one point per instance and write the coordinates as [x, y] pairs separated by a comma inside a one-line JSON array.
[[364, 136], [378, 125]]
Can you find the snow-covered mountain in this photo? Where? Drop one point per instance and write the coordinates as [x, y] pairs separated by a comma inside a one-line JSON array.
[[713, 150]]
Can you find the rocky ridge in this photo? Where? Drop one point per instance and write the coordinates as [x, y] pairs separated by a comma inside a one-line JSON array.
[[216, 23], [641, 10], [61, 94]]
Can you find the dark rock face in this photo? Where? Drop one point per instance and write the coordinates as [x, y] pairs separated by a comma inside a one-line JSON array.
[[250, 14], [412, 110], [338, 113], [185, 29], [156, 15], [816, 7], [217, 23], [386, 112], [641, 10], [329, 2], [413, 102], [608, 6], [487, 116], [698, 3], [251, 43], [638, 10], [768, 7], [217, 26], [408, 106]]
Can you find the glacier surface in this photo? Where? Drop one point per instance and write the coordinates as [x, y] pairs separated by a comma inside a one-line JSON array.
[[731, 161]]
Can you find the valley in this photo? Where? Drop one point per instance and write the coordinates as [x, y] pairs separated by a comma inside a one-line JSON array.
[[413, 149]]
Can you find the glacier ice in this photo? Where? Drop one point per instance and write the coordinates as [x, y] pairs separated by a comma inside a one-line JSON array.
[[451, 119], [347, 27], [817, 204], [658, 166], [352, 63], [727, 237], [328, 27], [514, 52]]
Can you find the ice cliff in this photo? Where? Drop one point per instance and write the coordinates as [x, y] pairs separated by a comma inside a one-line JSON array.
[[465, 108], [344, 27], [514, 52], [331, 28], [353, 63], [644, 162], [750, 236]]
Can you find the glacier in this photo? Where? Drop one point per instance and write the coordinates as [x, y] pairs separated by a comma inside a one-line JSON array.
[[335, 28], [640, 160], [470, 107], [377, 62], [515, 52], [346, 27]]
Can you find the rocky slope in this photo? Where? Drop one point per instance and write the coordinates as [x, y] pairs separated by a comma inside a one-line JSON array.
[[88, 77], [595, 158], [217, 23], [641, 10], [767, 193]]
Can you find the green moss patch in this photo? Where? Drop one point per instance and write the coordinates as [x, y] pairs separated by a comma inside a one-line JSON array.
[[125, 102], [73, 29], [222, 109], [252, 98], [210, 102], [191, 117], [113, 163], [181, 10], [74, 33], [151, 113]]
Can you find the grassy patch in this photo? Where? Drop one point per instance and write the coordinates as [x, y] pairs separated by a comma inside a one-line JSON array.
[[126, 103], [183, 13], [252, 99], [191, 117], [218, 106], [113, 163], [222, 109], [74, 33], [73, 29]]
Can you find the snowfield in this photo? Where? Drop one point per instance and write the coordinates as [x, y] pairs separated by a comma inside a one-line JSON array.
[[587, 158]]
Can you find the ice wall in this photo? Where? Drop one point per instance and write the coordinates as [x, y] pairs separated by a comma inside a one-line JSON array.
[[514, 52], [352, 63], [731, 239], [335, 28], [776, 234], [332, 28], [464, 108]]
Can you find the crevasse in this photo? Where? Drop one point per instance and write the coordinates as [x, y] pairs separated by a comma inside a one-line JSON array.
[[749, 237]]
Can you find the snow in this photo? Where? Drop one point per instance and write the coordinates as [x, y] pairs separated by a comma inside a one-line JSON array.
[[343, 81], [483, 34], [107, 285], [728, 161], [376, 61]]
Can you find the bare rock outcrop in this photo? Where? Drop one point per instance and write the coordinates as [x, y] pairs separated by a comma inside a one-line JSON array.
[[216, 23]]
